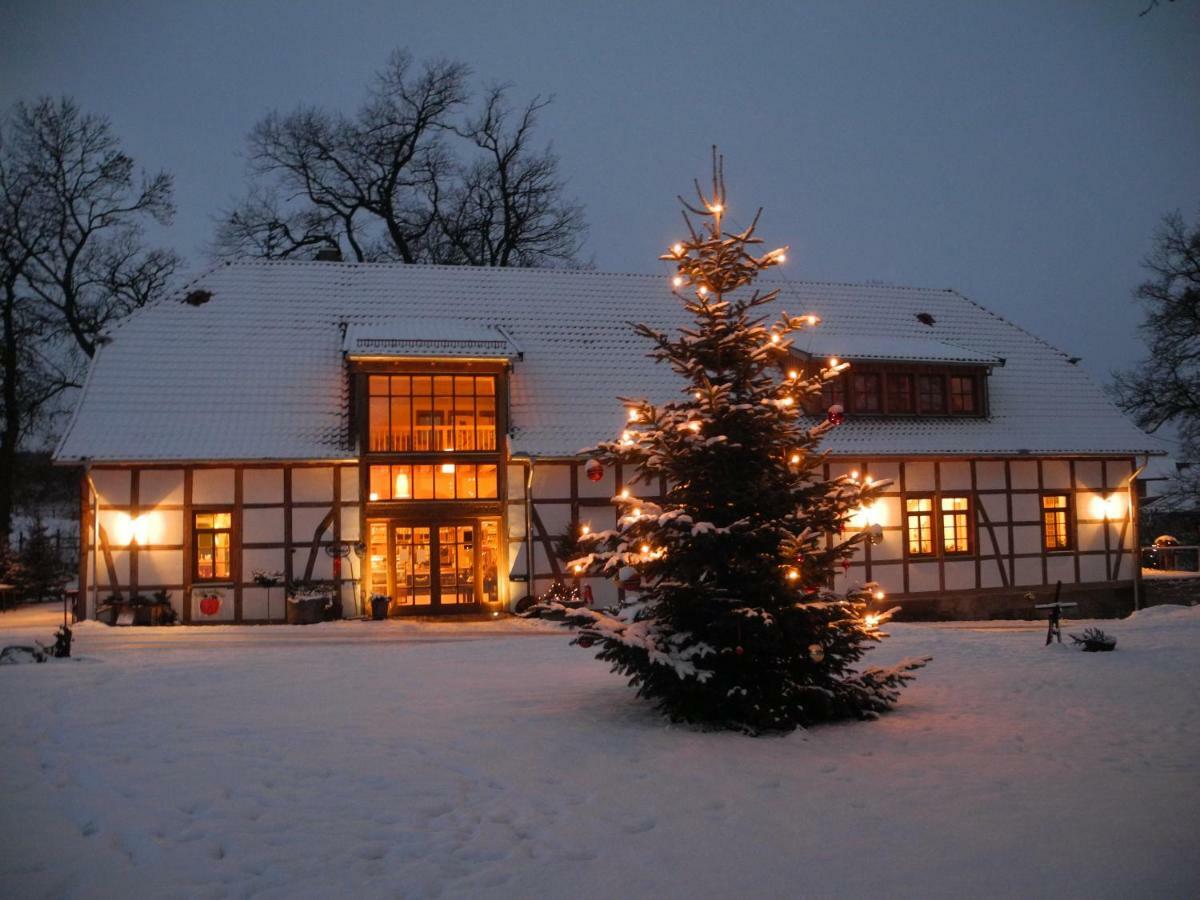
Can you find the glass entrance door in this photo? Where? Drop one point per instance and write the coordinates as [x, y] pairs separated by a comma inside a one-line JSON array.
[[425, 568]]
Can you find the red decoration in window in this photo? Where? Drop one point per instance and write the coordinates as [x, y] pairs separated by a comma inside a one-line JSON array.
[[594, 470], [210, 605]]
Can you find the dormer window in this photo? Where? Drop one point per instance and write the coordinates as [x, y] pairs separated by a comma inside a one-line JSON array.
[[962, 393], [931, 394], [432, 413], [900, 392], [867, 394], [906, 389]]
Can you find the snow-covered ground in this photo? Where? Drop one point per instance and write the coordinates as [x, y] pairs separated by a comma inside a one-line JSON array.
[[384, 759]]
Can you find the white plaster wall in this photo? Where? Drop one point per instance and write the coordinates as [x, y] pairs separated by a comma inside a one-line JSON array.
[[1024, 474], [551, 480], [158, 486], [886, 471], [890, 578], [112, 486], [922, 576], [1089, 475], [1026, 508], [516, 482], [1027, 539], [350, 523], [918, 476], [604, 592], [349, 488], [996, 507], [556, 517], [1027, 572], [262, 526], [988, 547], [1060, 568], [304, 524], [1093, 568], [262, 486], [956, 476], [1056, 474], [256, 559], [990, 574], [1090, 535], [213, 486], [160, 567], [605, 487], [989, 475], [312, 485], [891, 547], [887, 511], [960, 575]]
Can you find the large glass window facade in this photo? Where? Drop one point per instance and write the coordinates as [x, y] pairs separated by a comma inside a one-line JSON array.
[[431, 413]]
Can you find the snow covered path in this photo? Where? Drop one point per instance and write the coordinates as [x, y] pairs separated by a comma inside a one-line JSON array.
[[423, 761]]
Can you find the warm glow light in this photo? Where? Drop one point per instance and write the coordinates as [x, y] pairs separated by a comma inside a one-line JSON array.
[[854, 475], [645, 548], [702, 291], [447, 468], [677, 249], [793, 374], [624, 493], [781, 257], [717, 208], [633, 416], [792, 574], [774, 338], [698, 395], [677, 281], [787, 401], [140, 530], [577, 568], [695, 426], [879, 595], [812, 320], [794, 459], [1110, 507], [585, 528], [865, 516], [870, 620], [403, 492], [833, 362], [374, 496]]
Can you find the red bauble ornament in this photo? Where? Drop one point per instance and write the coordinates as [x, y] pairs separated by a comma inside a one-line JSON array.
[[836, 414], [210, 605], [585, 641], [593, 469], [845, 565], [739, 649]]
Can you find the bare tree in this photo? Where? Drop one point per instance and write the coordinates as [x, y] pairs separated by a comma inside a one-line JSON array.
[[1165, 389], [389, 183], [72, 258]]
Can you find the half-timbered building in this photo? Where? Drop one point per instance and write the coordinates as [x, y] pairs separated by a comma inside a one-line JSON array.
[[418, 432]]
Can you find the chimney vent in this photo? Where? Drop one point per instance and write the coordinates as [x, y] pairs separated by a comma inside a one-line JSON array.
[[330, 254]]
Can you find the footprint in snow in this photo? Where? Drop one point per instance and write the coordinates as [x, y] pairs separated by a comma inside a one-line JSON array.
[[641, 826]]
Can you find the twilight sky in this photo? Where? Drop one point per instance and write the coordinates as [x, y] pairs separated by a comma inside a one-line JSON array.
[[1020, 152]]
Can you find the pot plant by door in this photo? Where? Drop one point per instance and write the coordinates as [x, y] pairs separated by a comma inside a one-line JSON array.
[[379, 606]]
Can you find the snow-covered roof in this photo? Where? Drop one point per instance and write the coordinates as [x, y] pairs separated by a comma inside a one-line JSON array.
[[890, 348], [406, 338], [256, 372]]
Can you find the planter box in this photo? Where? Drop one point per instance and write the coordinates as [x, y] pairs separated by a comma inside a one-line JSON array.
[[308, 610]]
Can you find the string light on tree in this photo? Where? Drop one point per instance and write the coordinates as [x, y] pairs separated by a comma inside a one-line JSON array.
[[708, 614]]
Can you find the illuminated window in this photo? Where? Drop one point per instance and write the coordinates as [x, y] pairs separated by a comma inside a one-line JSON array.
[[956, 525], [962, 393], [918, 521], [211, 539], [867, 396], [431, 413], [900, 393], [1056, 534], [433, 481], [931, 394]]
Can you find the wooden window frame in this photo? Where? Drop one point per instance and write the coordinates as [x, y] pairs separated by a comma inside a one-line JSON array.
[[951, 394], [1068, 521], [892, 395], [924, 410], [866, 377], [968, 527], [930, 515], [197, 578], [889, 378]]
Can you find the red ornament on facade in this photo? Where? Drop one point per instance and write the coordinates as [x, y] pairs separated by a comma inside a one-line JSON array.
[[594, 470], [836, 414], [210, 605]]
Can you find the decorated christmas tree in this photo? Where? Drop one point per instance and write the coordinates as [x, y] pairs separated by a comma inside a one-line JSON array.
[[734, 622]]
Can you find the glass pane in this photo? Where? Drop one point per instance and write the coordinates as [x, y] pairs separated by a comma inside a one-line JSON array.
[[401, 482], [954, 503], [223, 520], [465, 478], [465, 573], [377, 418], [464, 386], [464, 424], [404, 567], [443, 437], [423, 433], [443, 481], [422, 482], [919, 504], [204, 520], [485, 385], [380, 486], [377, 557], [489, 544], [422, 384], [204, 555], [486, 485], [401, 386], [486, 422], [443, 384], [378, 385], [401, 429]]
